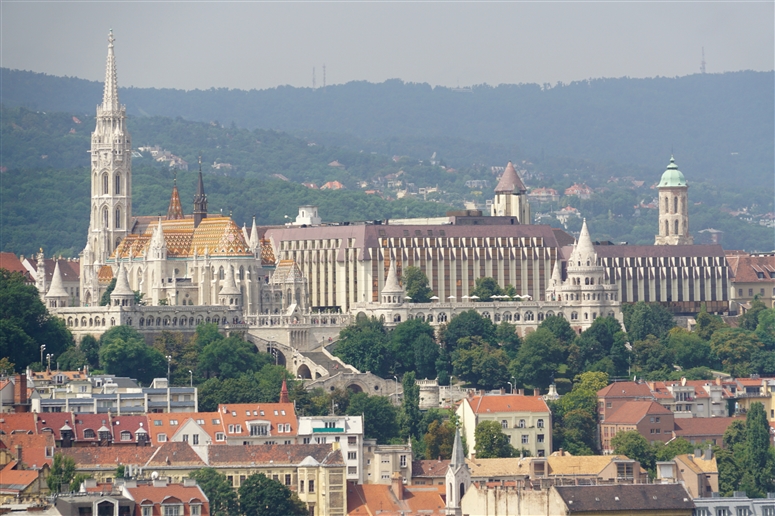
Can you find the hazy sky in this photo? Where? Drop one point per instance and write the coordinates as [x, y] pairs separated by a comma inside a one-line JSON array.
[[265, 44]]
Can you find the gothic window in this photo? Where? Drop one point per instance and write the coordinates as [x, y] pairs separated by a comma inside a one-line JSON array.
[[118, 218], [529, 316], [676, 227], [221, 274], [667, 205], [118, 184], [105, 184], [667, 228], [105, 217], [675, 204]]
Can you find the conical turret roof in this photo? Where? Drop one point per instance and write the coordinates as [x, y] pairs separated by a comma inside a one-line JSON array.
[[556, 273], [175, 210], [284, 393], [391, 283], [122, 284], [458, 454], [584, 250], [229, 287], [157, 240], [57, 284], [510, 181], [254, 243]]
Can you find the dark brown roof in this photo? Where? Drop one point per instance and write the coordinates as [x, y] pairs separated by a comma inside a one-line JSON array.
[[70, 269], [429, 468], [510, 181], [658, 251], [90, 457], [278, 454], [702, 426], [625, 390], [626, 498], [11, 263], [632, 412], [175, 453], [747, 268]]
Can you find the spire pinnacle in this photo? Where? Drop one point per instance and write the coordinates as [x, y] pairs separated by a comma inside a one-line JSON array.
[[110, 95], [458, 454], [175, 210], [284, 393]]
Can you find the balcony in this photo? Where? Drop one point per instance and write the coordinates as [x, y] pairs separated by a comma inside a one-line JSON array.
[[328, 430]]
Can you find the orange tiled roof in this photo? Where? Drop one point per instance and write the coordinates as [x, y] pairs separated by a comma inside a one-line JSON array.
[[105, 274], [218, 236], [370, 499], [275, 413], [175, 454], [702, 427], [89, 457], [168, 423], [429, 468], [507, 403], [625, 390], [12, 479], [11, 263], [631, 412], [22, 422], [276, 454], [33, 448], [186, 494], [267, 252]]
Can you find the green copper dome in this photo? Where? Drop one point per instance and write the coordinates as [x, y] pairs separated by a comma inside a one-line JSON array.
[[672, 176]]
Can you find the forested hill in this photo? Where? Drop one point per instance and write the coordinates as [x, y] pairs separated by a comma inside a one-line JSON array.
[[720, 125]]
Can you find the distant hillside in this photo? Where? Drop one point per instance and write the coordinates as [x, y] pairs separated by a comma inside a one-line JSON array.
[[719, 125]]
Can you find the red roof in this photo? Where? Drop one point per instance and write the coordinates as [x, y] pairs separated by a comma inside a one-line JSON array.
[[21, 422], [36, 450], [625, 390], [11, 263], [632, 412], [703, 427], [276, 413], [370, 499], [13, 481], [507, 403], [170, 493]]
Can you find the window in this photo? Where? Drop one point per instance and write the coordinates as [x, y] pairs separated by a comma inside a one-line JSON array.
[[521, 423], [162, 438], [657, 420], [768, 510], [88, 434], [608, 404], [200, 421], [352, 440], [743, 511], [147, 511], [330, 424], [525, 439], [352, 470], [305, 440], [220, 436], [216, 421], [157, 422], [402, 461], [287, 480], [173, 422], [504, 423], [540, 423], [540, 438], [352, 455], [702, 512], [185, 438], [722, 511], [311, 486], [126, 436], [195, 439], [750, 292], [301, 486], [173, 510], [196, 510]]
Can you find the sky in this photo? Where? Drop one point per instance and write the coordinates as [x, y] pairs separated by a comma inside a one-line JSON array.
[[258, 45]]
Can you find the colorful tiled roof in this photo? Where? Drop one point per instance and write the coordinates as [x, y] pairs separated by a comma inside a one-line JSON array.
[[216, 236]]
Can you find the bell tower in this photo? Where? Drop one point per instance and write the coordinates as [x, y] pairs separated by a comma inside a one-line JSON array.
[[673, 208], [111, 182]]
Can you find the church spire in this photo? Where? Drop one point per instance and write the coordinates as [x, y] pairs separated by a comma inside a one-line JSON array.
[[175, 210], [200, 199], [110, 95]]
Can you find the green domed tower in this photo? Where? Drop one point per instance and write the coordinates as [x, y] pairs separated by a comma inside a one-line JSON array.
[[673, 208]]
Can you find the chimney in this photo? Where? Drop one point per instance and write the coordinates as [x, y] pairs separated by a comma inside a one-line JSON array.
[[536, 392], [503, 391], [397, 483], [19, 453], [560, 452], [697, 453], [521, 392], [20, 389], [708, 454]]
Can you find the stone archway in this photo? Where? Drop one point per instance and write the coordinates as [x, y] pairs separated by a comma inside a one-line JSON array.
[[354, 388], [304, 372], [277, 356]]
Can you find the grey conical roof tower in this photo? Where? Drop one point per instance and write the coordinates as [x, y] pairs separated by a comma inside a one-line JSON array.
[[229, 287], [122, 283], [458, 454], [57, 289]]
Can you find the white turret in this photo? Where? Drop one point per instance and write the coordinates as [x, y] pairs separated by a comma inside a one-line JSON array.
[[254, 242], [122, 294], [158, 243], [392, 293], [57, 296], [458, 478], [230, 295]]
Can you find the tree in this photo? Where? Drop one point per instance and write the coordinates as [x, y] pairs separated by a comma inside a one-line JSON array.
[[105, 299], [491, 442], [642, 319], [78, 479], [262, 496], [416, 285], [689, 349], [537, 360], [223, 499], [72, 359], [636, 447], [133, 358], [757, 456], [467, 324], [228, 358], [263, 386], [575, 415], [91, 350], [426, 353], [670, 450], [62, 472], [735, 348], [439, 440], [25, 324], [750, 319], [765, 330], [485, 288], [410, 406], [380, 419], [508, 339], [650, 354], [560, 327], [707, 324], [365, 346], [404, 340], [481, 365]]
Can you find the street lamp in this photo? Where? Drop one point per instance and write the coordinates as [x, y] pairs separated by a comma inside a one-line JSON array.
[[395, 378], [169, 363], [191, 378], [42, 347], [49, 356], [514, 386]]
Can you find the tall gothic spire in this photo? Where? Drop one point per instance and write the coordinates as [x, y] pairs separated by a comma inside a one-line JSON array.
[[200, 199], [458, 454], [175, 210], [110, 95]]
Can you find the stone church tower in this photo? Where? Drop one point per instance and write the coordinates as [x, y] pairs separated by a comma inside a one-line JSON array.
[[511, 197], [673, 208], [111, 184]]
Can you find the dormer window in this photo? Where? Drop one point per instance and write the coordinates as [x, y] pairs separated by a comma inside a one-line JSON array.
[[88, 434]]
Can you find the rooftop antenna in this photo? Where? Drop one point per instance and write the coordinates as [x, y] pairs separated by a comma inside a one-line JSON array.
[[314, 85], [702, 63]]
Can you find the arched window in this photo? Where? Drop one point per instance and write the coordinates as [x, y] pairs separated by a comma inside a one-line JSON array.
[[675, 204], [667, 228], [667, 205], [105, 217], [676, 227], [118, 218], [118, 184], [105, 189]]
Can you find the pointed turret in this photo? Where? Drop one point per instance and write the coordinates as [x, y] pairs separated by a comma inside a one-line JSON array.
[[510, 181], [458, 454], [57, 295], [556, 280], [392, 293], [158, 243], [284, 393], [110, 95], [245, 232], [584, 250], [255, 242], [200, 199], [122, 294], [175, 210], [229, 286]]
